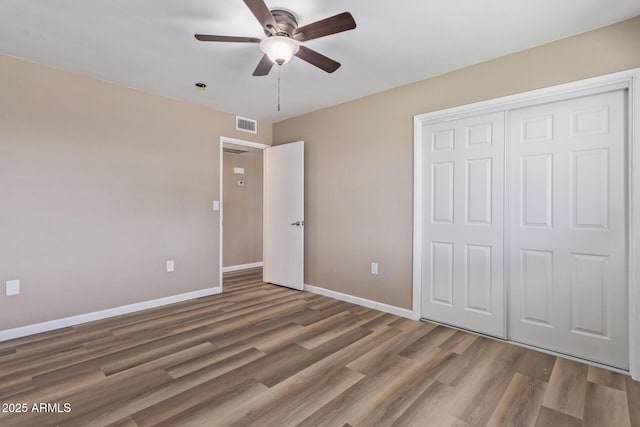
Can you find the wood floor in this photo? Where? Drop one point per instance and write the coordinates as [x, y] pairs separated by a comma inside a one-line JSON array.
[[268, 356]]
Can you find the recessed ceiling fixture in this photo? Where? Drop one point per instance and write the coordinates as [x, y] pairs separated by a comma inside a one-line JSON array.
[[284, 37]]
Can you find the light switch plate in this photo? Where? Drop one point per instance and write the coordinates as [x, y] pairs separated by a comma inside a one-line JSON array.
[[13, 287], [216, 205], [170, 266], [374, 268]]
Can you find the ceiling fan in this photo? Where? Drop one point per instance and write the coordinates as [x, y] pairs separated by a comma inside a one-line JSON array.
[[284, 37]]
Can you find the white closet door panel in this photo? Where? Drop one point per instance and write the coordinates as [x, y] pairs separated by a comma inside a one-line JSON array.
[[442, 192], [479, 176], [442, 273], [567, 227], [463, 232], [536, 192], [589, 305], [590, 189], [478, 263], [536, 269]]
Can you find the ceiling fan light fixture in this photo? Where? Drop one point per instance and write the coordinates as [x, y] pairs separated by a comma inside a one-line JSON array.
[[279, 49]]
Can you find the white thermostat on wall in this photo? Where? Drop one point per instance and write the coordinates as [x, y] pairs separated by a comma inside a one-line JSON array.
[[240, 183], [239, 171]]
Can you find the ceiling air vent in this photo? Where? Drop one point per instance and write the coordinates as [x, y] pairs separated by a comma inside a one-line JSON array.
[[246, 125]]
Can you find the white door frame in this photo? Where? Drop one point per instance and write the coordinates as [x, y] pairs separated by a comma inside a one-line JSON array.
[[629, 80], [234, 141]]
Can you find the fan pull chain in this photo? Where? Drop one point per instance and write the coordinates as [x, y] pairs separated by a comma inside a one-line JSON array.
[[279, 69]]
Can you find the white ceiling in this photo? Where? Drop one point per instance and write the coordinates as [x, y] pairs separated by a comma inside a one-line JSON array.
[[149, 44]]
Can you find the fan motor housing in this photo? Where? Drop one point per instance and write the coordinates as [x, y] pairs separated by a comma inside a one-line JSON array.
[[286, 21]]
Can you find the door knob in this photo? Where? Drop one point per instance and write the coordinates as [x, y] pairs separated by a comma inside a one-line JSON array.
[[297, 223]]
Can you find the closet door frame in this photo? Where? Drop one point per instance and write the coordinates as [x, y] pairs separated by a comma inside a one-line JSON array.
[[629, 80]]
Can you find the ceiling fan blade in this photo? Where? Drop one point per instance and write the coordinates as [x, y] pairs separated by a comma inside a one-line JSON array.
[[332, 25], [317, 59], [210, 38], [262, 14], [264, 66]]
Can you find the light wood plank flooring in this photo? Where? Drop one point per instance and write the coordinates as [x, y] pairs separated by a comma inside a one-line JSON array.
[[268, 356]]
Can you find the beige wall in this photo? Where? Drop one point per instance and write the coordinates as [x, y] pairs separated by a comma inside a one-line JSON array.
[[99, 186], [359, 161], [242, 229]]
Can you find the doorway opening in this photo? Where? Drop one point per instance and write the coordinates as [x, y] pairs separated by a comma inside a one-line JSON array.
[[241, 205]]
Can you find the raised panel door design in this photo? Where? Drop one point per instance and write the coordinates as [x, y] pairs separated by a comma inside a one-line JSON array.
[[442, 271], [590, 121], [537, 284], [442, 204], [442, 140], [536, 129], [590, 188], [589, 300], [568, 227], [462, 267], [479, 135], [478, 191], [536, 193], [478, 278]]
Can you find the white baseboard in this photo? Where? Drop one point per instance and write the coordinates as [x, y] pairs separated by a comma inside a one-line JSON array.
[[402, 312], [37, 328], [242, 267]]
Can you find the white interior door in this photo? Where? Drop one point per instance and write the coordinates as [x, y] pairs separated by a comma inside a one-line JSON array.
[[284, 215], [462, 264], [568, 286]]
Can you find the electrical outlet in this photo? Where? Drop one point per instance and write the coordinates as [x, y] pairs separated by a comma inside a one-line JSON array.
[[374, 268], [13, 287], [170, 266]]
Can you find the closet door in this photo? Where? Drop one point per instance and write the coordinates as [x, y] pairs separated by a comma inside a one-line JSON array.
[[568, 228], [462, 265]]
